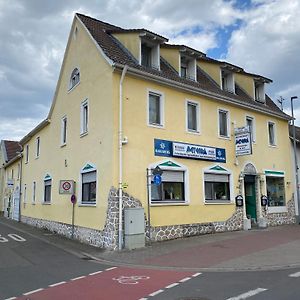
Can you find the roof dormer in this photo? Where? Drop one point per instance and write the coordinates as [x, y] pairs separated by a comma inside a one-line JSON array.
[[143, 44], [227, 80], [259, 88], [183, 59]]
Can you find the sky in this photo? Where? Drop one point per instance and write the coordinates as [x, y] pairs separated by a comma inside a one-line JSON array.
[[261, 36]]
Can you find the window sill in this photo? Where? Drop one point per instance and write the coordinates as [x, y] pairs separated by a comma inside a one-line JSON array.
[[63, 145], [278, 209], [156, 126], [46, 203], [169, 203], [37, 157], [224, 137], [84, 134], [195, 132], [224, 202], [272, 146], [87, 204], [32, 203], [73, 87]]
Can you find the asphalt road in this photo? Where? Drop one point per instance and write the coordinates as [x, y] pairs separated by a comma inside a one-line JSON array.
[[33, 268]]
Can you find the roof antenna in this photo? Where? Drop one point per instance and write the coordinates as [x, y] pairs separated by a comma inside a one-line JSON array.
[[280, 100]]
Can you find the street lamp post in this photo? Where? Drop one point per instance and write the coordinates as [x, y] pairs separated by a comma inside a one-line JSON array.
[[295, 158]]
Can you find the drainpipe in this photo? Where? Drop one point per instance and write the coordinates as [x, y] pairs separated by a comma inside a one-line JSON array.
[[121, 157]]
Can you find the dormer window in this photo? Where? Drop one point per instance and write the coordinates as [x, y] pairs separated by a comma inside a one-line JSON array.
[[259, 92], [150, 57], [227, 81], [74, 79], [187, 67]]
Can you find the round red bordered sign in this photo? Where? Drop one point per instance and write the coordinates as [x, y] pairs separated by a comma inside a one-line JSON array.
[[66, 186]]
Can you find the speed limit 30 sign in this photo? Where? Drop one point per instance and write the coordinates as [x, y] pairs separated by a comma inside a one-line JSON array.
[[66, 187]]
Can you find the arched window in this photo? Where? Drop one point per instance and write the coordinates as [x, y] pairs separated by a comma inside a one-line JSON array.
[[75, 78]]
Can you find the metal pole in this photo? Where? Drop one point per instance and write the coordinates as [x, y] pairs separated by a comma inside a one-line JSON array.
[[295, 158], [73, 210], [149, 200]]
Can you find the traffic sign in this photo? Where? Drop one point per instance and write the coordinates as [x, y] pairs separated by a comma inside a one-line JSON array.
[[157, 179], [157, 171]]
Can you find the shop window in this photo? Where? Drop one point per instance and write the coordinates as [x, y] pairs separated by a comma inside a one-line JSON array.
[[47, 190], [171, 189], [275, 191], [217, 187], [89, 184]]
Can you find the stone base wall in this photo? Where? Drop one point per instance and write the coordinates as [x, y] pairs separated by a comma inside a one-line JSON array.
[[163, 233], [275, 219]]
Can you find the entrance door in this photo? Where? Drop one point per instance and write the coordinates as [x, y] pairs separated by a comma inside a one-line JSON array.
[[16, 207], [250, 196]]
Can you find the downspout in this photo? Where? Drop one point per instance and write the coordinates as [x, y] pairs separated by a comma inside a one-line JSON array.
[[20, 191], [121, 157]]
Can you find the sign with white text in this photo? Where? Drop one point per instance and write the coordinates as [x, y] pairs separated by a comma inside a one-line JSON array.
[[243, 144]]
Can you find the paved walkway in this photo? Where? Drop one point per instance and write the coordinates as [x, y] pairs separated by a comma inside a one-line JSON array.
[[271, 248]]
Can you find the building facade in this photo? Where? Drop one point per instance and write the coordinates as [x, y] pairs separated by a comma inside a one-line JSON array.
[[137, 122]]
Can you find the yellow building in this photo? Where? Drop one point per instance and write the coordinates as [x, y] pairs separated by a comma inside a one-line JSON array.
[[136, 122]]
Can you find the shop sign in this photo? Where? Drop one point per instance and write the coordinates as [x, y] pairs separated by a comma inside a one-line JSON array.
[[184, 150], [66, 187], [243, 144]]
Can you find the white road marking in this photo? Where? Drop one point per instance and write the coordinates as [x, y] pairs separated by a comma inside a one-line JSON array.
[[12, 298], [156, 293], [143, 299], [185, 279], [80, 277], [248, 294], [196, 274], [31, 292], [109, 269], [98, 272], [56, 284], [297, 274], [172, 285]]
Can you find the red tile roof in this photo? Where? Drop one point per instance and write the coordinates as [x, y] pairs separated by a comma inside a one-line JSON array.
[[11, 149]]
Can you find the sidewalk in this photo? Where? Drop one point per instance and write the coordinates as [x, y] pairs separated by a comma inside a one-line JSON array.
[[272, 248]]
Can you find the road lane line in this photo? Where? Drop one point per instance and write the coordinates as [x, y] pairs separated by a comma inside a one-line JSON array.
[[109, 269], [56, 284], [12, 298], [156, 293], [98, 272], [297, 274], [80, 277], [31, 292], [248, 294], [185, 279], [171, 285], [196, 274]]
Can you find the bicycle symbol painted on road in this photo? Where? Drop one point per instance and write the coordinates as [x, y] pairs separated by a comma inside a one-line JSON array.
[[130, 279]]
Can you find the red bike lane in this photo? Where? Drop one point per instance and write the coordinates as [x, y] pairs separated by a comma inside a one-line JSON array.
[[116, 283]]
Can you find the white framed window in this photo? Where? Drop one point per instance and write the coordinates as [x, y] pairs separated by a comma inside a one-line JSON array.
[[218, 185], [150, 54], [74, 78], [47, 189], [259, 92], [88, 185], [272, 133], [63, 133], [155, 109], [188, 67], [84, 117], [227, 80], [33, 192], [174, 186], [192, 116], [223, 123], [26, 154], [250, 122], [37, 145]]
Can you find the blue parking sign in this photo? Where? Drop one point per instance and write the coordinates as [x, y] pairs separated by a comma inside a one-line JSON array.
[[157, 179]]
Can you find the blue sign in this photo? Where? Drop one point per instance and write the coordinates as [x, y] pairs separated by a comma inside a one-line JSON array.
[[184, 150], [162, 148], [157, 179]]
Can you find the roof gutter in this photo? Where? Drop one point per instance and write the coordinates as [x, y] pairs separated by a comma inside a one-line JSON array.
[[196, 91], [16, 158], [35, 130]]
